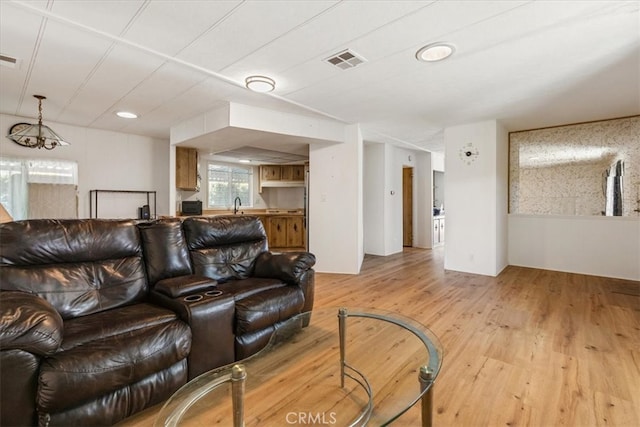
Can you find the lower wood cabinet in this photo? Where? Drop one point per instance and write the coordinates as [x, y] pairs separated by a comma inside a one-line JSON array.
[[285, 232], [277, 232], [295, 232]]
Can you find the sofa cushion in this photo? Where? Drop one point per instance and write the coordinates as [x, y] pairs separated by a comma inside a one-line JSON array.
[[288, 266], [103, 365], [251, 343], [112, 407], [29, 323], [225, 247], [267, 308], [246, 287], [79, 266], [165, 250], [84, 330], [206, 232]]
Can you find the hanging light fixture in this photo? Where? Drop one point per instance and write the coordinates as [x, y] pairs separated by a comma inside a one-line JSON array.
[[38, 135]]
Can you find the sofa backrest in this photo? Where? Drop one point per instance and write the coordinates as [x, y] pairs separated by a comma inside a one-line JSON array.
[[79, 266], [224, 247], [165, 249]]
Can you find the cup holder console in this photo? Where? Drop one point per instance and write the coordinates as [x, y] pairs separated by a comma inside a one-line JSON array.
[[200, 297]]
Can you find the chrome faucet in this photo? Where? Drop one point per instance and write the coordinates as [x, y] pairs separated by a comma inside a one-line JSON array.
[[236, 204]]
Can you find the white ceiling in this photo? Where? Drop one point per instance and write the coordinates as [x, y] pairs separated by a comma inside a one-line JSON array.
[[528, 64]]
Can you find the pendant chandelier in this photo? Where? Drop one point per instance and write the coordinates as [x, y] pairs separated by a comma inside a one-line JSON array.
[[38, 135]]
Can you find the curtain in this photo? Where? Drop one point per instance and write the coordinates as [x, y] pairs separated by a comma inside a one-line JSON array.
[[17, 177]]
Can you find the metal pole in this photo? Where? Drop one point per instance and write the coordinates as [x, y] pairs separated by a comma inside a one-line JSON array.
[[426, 382], [342, 327], [238, 377]]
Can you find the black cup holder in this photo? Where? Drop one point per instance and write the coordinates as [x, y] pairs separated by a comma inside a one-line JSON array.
[[199, 297]]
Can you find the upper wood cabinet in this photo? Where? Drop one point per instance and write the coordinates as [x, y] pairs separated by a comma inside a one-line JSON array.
[[187, 169], [292, 173], [281, 176], [270, 173]]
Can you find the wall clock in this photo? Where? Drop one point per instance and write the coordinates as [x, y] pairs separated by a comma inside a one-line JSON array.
[[17, 128], [468, 153]]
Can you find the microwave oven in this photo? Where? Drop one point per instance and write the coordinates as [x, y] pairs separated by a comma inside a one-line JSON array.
[[192, 207]]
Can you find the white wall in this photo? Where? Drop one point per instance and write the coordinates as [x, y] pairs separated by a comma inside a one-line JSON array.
[[437, 162], [335, 204], [475, 196], [107, 161], [423, 204], [502, 197], [373, 199], [383, 214], [600, 246], [396, 159]]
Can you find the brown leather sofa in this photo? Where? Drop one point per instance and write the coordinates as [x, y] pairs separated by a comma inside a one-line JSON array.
[[100, 319]]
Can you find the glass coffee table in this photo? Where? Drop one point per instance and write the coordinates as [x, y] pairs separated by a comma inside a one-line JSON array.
[[348, 367]]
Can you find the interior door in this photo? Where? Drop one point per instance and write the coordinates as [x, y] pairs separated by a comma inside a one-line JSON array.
[[407, 206]]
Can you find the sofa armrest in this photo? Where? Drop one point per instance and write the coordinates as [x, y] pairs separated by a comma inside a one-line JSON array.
[[29, 323], [287, 266], [184, 285]]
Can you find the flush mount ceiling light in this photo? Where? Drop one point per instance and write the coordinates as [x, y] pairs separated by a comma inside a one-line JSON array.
[[126, 115], [260, 83], [38, 135], [435, 52]]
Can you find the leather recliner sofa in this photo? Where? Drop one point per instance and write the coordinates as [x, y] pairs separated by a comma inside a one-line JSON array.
[[100, 319]]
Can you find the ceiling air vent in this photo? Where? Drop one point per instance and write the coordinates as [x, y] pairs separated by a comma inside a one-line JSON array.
[[345, 59], [8, 61]]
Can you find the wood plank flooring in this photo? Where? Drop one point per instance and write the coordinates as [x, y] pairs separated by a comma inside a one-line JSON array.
[[527, 348]]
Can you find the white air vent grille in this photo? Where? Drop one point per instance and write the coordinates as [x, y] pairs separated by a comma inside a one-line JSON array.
[[8, 61], [345, 59]]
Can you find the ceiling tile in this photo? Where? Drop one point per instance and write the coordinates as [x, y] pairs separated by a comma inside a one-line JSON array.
[[170, 26]]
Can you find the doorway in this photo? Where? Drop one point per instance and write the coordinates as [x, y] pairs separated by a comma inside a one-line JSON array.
[[407, 206]]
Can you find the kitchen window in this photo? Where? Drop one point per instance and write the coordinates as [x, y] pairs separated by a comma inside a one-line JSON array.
[[226, 182]]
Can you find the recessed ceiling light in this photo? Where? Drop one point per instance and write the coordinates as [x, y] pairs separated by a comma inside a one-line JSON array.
[[126, 115], [260, 83], [435, 52]]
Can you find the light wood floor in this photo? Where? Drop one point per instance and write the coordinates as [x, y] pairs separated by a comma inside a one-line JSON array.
[[527, 348]]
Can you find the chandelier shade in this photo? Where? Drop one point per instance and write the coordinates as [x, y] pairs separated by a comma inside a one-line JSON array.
[[36, 135]]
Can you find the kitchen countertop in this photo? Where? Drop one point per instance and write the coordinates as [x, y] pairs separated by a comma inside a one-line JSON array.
[[257, 212]]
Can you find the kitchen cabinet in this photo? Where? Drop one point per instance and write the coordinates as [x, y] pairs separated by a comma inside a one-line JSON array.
[[277, 232], [295, 232], [281, 176], [187, 169], [292, 173], [270, 173], [438, 230], [285, 232]]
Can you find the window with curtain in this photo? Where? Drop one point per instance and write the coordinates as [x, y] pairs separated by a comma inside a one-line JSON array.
[[226, 182], [38, 188]]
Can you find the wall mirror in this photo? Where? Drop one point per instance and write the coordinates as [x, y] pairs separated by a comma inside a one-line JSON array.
[[590, 169]]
